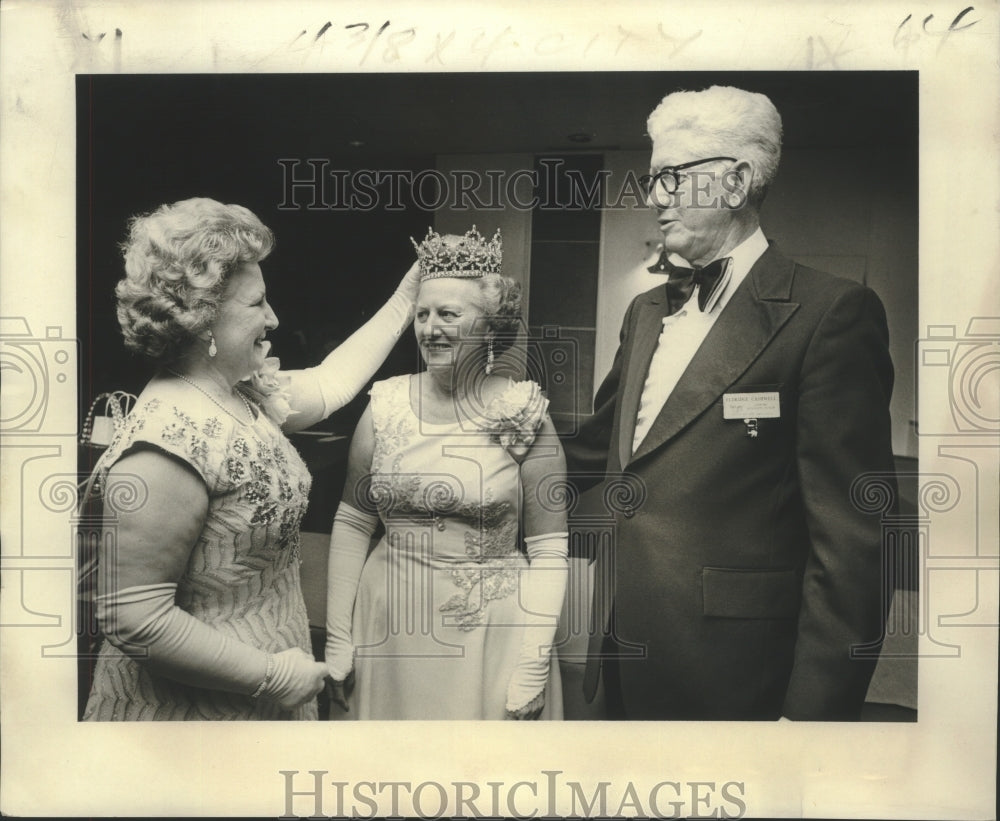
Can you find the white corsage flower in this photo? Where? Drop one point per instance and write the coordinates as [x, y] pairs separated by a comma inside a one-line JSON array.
[[515, 416], [268, 390]]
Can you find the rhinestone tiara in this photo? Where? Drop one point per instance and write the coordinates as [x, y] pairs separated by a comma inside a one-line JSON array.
[[452, 256]]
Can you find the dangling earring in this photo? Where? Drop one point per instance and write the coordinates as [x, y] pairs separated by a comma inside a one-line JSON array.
[[489, 356], [212, 350]]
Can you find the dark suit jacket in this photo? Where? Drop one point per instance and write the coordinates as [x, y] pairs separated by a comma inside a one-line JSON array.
[[747, 575]]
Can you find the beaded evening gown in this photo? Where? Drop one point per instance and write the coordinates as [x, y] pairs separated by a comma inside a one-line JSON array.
[[242, 577], [436, 625]]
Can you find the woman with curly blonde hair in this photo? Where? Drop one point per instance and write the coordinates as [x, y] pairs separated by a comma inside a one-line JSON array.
[[199, 596]]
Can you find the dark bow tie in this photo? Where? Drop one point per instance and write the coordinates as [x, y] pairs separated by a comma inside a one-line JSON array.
[[711, 281]]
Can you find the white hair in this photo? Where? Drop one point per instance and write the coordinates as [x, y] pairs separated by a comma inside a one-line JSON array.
[[726, 121]]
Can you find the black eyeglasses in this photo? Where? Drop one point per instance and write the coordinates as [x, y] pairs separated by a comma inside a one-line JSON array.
[[666, 181]]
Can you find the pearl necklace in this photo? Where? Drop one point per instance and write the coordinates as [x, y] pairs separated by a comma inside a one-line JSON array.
[[197, 387]]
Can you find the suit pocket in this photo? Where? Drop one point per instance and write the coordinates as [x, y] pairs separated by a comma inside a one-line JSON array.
[[738, 593]]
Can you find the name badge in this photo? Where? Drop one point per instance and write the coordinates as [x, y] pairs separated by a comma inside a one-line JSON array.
[[763, 405]]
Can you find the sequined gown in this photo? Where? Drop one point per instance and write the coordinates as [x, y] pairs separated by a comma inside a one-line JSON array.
[[242, 577], [436, 619]]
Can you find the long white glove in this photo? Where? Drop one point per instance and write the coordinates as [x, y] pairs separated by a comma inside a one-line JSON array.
[[144, 622], [347, 369], [543, 588], [352, 531]]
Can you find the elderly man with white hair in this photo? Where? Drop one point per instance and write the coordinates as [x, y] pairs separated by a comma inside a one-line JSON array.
[[749, 394]]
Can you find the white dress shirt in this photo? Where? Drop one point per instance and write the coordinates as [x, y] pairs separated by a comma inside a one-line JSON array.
[[683, 334]]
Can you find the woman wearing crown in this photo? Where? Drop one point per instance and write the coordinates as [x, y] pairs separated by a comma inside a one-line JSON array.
[[449, 617]]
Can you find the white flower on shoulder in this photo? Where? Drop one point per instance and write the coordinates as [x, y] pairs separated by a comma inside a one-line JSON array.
[[515, 416], [268, 389]]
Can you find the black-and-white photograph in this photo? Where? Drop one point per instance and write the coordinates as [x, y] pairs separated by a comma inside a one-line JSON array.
[[602, 397], [599, 382]]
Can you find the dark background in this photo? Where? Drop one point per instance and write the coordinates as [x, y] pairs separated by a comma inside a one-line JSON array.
[[144, 140]]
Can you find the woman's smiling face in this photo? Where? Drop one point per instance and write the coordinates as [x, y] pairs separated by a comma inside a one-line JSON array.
[[243, 320], [449, 324]]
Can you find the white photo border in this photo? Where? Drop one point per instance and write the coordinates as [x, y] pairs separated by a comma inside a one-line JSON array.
[[942, 766]]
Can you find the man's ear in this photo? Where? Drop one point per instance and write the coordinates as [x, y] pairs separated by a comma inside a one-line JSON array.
[[736, 183]]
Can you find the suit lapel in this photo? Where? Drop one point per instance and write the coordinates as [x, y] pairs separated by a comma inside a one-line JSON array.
[[756, 312], [648, 324]]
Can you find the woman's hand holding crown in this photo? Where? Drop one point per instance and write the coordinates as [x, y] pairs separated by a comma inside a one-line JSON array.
[[410, 283]]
